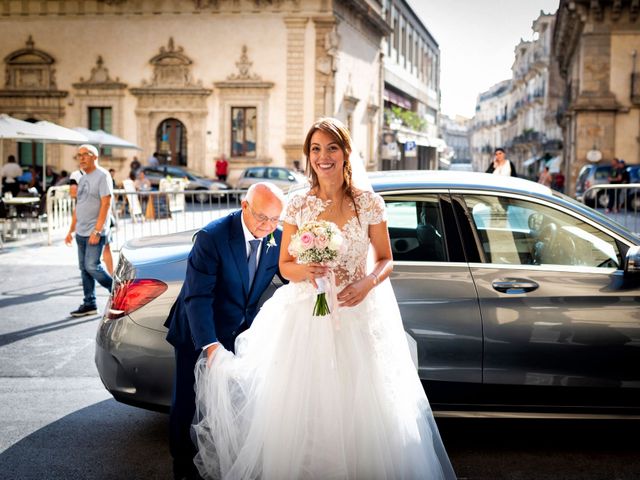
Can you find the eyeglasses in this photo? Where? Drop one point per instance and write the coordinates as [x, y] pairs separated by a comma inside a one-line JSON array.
[[261, 218], [84, 154]]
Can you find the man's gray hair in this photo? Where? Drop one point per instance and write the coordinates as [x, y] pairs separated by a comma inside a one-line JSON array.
[[93, 150], [277, 192]]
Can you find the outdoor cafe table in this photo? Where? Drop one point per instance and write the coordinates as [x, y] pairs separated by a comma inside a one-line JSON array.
[[13, 203]]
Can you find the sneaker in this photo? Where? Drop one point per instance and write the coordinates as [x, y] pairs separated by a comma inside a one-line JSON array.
[[84, 310]]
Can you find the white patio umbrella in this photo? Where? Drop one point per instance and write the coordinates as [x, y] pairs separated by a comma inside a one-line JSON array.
[[102, 139], [53, 133], [14, 129]]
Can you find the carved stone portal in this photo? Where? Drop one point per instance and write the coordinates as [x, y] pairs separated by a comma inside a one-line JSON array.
[[172, 94]]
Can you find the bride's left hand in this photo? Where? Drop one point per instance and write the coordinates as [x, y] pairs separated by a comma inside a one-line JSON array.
[[354, 293]]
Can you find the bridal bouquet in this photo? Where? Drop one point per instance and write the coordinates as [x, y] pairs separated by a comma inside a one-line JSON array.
[[317, 242]]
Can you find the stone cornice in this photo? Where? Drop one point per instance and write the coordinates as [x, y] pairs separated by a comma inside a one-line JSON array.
[[170, 91], [369, 15], [596, 103], [235, 84], [34, 93]]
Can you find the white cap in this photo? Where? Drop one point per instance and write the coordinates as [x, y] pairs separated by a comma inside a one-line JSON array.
[[93, 150]]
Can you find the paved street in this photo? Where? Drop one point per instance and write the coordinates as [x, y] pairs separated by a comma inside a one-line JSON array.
[[58, 422], [56, 418]]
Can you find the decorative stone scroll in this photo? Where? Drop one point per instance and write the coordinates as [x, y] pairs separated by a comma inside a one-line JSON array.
[[100, 79]]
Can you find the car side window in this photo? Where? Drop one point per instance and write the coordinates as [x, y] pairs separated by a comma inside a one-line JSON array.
[[277, 174], [255, 173], [416, 228], [518, 232]]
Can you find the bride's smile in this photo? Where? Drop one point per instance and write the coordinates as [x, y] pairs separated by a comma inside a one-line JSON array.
[[327, 158]]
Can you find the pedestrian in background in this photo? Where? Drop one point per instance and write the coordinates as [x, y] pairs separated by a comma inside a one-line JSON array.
[[222, 168], [134, 167], [615, 178], [500, 164], [152, 161], [10, 173], [90, 222], [545, 177], [558, 182]]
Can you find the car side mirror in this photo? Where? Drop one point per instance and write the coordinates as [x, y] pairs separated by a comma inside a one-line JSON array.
[[291, 178], [632, 261]]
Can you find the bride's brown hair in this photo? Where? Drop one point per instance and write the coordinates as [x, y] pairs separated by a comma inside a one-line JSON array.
[[339, 132]]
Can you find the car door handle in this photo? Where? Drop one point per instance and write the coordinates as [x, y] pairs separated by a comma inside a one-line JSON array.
[[514, 285]]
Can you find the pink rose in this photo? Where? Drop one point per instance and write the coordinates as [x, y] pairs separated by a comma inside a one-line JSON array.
[[321, 242], [306, 239]]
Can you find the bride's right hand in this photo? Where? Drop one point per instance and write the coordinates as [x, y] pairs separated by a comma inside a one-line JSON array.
[[313, 271], [211, 352]]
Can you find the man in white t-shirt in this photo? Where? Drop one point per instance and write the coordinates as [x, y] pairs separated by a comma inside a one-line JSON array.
[[9, 173], [90, 222]]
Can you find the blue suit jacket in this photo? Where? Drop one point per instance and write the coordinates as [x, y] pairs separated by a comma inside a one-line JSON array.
[[216, 303]]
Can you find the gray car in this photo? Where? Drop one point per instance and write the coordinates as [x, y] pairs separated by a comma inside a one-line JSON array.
[[195, 180], [519, 300], [285, 178]]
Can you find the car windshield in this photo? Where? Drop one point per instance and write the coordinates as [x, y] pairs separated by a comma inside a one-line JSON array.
[[606, 219]]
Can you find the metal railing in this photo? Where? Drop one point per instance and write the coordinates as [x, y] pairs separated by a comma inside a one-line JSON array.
[[620, 202], [141, 214]]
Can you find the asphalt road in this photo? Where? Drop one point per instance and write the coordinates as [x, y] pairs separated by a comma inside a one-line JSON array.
[[58, 422]]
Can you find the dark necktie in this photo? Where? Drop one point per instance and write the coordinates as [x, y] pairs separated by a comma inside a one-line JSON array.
[[253, 259]]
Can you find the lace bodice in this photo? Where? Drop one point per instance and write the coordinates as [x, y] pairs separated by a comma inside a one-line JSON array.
[[353, 256]]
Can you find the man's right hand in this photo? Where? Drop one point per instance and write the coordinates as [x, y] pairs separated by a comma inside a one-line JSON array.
[[68, 239], [211, 351]]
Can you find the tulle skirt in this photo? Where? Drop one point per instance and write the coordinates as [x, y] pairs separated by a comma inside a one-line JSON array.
[[333, 397]]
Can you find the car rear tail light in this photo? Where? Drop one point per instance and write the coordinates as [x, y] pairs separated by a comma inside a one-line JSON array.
[[130, 295], [587, 184]]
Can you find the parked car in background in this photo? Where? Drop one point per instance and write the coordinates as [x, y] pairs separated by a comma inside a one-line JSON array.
[[285, 178], [519, 300], [590, 175], [195, 180]]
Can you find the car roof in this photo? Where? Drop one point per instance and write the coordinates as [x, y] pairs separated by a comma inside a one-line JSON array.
[[389, 180]]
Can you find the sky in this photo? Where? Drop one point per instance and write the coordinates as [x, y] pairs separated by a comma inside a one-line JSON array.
[[477, 39]]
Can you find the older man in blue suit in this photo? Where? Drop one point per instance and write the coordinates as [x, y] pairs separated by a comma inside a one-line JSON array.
[[230, 266]]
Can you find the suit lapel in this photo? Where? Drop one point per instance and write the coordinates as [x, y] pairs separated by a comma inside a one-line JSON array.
[[239, 251]]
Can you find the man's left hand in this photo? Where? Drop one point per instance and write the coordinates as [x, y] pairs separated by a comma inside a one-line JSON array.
[[94, 239]]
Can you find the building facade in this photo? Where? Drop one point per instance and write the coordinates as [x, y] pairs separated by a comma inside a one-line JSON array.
[[488, 126], [411, 78], [193, 79], [532, 132], [596, 44], [456, 134], [519, 114]]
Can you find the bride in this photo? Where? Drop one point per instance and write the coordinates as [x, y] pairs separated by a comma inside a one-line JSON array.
[[326, 397]]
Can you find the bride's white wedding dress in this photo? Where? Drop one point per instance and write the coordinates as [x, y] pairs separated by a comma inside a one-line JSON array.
[[333, 397]]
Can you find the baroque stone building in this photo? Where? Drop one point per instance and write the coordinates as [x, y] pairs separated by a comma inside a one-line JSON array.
[[192, 79], [596, 43], [411, 63], [456, 134], [519, 114], [489, 124]]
